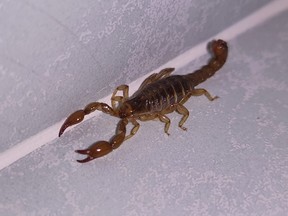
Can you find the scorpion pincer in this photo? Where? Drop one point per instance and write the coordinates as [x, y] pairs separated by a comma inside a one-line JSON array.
[[158, 95]]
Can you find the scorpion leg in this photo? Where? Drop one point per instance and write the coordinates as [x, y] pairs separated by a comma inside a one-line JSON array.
[[183, 111], [119, 99], [134, 130], [148, 117], [157, 76], [166, 120], [158, 116], [199, 92], [78, 116]]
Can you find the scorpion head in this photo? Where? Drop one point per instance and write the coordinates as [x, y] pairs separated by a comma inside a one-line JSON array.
[[125, 110]]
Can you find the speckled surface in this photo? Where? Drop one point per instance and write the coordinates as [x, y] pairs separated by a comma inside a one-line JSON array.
[[55, 56], [231, 161]]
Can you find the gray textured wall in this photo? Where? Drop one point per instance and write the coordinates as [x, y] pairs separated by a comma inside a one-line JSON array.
[[231, 161], [56, 56]]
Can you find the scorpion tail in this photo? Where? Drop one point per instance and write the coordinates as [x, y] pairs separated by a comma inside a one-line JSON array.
[[220, 53]]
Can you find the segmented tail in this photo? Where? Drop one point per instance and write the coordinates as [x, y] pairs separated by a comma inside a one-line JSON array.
[[220, 53]]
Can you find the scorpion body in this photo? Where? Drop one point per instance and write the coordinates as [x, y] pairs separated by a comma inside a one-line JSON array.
[[158, 95]]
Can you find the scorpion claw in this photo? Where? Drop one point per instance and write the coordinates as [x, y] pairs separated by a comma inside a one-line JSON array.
[[83, 151], [96, 150], [74, 118], [62, 129], [85, 160]]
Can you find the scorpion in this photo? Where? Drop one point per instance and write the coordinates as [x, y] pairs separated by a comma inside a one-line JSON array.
[[158, 95]]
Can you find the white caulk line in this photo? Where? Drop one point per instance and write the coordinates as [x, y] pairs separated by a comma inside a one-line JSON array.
[[49, 134]]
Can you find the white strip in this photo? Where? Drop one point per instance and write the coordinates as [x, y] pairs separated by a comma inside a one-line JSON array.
[[49, 134]]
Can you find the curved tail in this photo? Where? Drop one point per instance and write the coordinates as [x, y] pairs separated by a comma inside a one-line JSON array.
[[220, 53]]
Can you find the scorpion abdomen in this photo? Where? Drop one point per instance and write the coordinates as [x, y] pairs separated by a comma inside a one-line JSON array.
[[160, 94]]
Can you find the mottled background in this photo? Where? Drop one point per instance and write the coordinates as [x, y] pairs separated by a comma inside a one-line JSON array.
[[57, 56]]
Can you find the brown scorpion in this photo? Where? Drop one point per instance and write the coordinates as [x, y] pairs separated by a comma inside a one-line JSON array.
[[158, 95]]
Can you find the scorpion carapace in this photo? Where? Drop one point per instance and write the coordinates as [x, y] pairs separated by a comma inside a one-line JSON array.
[[158, 95]]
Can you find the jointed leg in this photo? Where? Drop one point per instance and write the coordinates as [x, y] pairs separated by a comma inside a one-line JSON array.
[[199, 92], [148, 117], [183, 111], [166, 120], [134, 130], [156, 116], [157, 76], [119, 99]]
